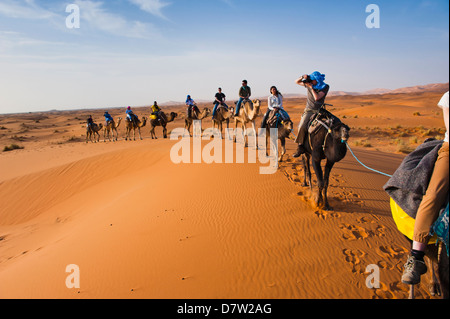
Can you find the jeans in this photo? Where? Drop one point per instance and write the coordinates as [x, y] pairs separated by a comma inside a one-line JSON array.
[[238, 105], [215, 108]]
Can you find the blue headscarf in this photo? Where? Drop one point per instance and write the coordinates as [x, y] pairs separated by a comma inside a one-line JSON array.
[[320, 78]]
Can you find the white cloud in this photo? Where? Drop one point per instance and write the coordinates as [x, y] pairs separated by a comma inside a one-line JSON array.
[[97, 17], [26, 9], [151, 6]]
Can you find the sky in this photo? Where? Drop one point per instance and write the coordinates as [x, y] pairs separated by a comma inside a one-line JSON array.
[[133, 52]]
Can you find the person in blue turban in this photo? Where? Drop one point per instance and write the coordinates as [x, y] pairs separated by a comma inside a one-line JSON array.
[[317, 91]]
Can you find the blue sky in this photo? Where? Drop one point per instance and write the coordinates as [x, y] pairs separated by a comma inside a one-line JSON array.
[[132, 52]]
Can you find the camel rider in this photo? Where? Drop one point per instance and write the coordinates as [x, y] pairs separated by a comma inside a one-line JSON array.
[[131, 116], [434, 199], [220, 100], [317, 92], [190, 103], [244, 94], [156, 110], [108, 118], [275, 103], [90, 121]]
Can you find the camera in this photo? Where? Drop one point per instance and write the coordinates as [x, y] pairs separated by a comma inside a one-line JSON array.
[[307, 80]]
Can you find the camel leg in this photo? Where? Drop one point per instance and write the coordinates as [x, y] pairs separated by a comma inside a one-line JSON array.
[[283, 149], [329, 165], [164, 132], [255, 137], [307, 171], [320, 184], [140, 136]]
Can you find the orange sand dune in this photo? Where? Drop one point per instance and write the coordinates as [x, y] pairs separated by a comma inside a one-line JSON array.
[[139, 226]]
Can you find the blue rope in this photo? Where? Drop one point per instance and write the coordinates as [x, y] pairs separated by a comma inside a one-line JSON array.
[[374, 170]]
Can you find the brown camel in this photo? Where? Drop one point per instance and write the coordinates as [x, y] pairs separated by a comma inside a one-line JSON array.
[[155, 122], [222, 115], [93, 130], [284, 131], [132, 126], [110, 129], [248, 113], [189, 120]]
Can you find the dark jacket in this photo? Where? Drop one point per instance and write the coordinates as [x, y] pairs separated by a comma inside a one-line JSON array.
[[409, 183]]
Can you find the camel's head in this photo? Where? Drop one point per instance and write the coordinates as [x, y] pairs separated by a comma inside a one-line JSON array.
[[207, 111], [341, 132], [288, 125], [174, 115], [256, 103]]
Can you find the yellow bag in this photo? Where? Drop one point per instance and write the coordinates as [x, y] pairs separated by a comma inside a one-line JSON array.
[[405, 223], [153, 117]]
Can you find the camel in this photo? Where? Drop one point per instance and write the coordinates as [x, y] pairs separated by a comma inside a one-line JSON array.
[[222, 115], [131, 126], [155, 122], [284, 131], [189, 120], [93, 130], [110, 129], [326, 143], [248, 113]]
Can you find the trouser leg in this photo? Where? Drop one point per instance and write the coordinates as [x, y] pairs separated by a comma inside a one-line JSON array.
[[238, 106], [263, 123], [435, 197], [303, 127]]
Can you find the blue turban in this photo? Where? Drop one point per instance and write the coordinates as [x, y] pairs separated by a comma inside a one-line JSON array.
[[320, 78]]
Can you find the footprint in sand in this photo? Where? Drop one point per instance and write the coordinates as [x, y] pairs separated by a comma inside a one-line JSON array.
[[324, 215], [391, 252], [352, 232], [354, 258]]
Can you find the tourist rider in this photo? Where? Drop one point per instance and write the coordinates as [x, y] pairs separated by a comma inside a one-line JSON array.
[[156, 110], [90, 122], [245, 93], [317, 91], [435, 198], [190, 103], [108, 118], [220, 100], [275, 103], [131, 116]]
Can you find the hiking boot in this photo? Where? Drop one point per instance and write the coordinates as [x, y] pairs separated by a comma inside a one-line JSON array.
[[300, 151], [413, 270]]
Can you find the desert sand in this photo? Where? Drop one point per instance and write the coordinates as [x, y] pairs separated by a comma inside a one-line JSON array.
[[140, 226]]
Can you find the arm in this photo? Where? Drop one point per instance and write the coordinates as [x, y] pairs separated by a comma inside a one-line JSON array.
[[317, 96], [269, 103], [446, 113], [299, 81]]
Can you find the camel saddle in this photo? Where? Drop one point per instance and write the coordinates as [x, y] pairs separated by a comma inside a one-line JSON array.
[[276, 117], [322, 118]]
